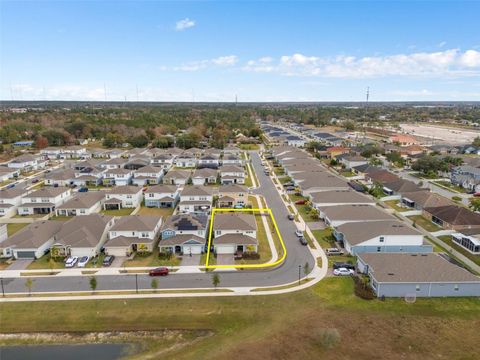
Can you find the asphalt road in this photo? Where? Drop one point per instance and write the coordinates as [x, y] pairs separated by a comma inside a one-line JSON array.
[[297, 255]]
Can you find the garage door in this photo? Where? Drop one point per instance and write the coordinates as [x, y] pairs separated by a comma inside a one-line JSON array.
[[192, 249], [225, 249], [25, 254]]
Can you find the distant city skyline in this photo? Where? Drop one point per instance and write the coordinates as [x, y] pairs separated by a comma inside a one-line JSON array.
[[256, 51]]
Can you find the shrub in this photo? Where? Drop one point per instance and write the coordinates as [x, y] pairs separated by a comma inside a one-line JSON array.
[[327, 338], [362, 288], [165, 255], [251, 256]]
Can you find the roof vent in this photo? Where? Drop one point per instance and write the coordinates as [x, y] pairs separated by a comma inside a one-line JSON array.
[[391, 274]]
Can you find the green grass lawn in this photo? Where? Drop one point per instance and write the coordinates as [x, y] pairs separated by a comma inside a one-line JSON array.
[[448, 240], [325, 321], [121, 212], [450, 186], [324, 238], [425, 223], [44, 264], [347, 173], [151, 260], [303, 210], [15, 227], [249, 146], [394, 206]]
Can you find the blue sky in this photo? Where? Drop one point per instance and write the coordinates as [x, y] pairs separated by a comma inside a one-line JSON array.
[[259, 51]]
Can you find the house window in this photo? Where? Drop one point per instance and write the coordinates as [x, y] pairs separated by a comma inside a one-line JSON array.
[[417, 288], [379, 249], [455, 288], [382, 239]]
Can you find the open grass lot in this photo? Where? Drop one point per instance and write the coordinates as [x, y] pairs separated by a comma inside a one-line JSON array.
[[325, 321], [13, 228], [151, 260], [394, 206], [425, 223], [447, 239], [164, 212], [121, 212]]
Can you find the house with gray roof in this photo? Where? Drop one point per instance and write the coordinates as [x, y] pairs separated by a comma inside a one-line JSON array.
[[82, 203], [234, 232], [160, 196], [338, 215], [43, 200], [183, 234], [416, 275], [469, 239], [196, 199], [339, 197]]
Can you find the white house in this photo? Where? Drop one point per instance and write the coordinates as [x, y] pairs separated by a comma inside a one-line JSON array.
[[177, 177], [27, 163], [234, 232], [163, 161], [44, 200], [296, 141], [10, 199], [195, 200], [7, 173], [204, 176], [60, 177], [82, 203], [381, 236], [147, 175], [31, 242], [230, 159], [82, 236], [183, 234], [161, 196], [231, 174], [186, 160], [123, 197], [209, 160], [118, 177], [133, 233], [114, 163], [338, 215]]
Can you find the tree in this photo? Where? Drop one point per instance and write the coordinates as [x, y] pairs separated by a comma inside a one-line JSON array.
[[476, 141], [475, 204], [395, 158], [41, 142], [51, 264], [93, 283], [138, 141], [163, 142], [306, 268], [154, 285], [112, 140], [29, 286], [215, 280], [349, 125]]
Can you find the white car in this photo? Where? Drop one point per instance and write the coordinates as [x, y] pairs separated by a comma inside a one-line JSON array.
[[71, 261], [83, 261], [343, 272], [299, 233]]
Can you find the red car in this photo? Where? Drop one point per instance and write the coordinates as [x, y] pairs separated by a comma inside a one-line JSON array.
[[477, 194], [300, 202], [161, 271]]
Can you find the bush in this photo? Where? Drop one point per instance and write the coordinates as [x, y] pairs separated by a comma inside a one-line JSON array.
[[165, 255], [362, 288], [143, 253], [456, 198], [327, 338], [251, 256]]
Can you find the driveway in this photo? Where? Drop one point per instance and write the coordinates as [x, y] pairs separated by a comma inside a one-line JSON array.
[[20, 264], [118, 261], [188, 260], [225, 259]]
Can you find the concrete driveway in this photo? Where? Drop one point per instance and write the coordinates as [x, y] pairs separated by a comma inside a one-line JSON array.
[[188, 260], [20, 264], [118, 261], [225, 259]]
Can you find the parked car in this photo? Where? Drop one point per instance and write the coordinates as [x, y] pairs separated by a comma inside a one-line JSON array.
[[71, 261], [83, 189], [267, 173], [299, 233], [338, 265], [476, 194], [343, 272], [290, 188], [291, 217], [303, 241], [34, 181], [301, 202], [334, 251], [83, 261], [10, 186], [108, 260], [161, 271], [288, 184]]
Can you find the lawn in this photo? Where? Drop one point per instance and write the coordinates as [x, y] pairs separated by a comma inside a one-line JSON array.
[[121, 212], [163, 212], [151, 260], [324, 238], [424, 223], [447, 239], [14, 227], [450, 186], [347, 173], [394, 206], [249, 146], [325, 321], [303, 210], [44, 263]]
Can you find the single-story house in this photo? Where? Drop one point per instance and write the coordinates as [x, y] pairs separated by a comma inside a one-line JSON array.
[[338, 215], [452, 217], [177, 177], [339, 197], [469, 239]]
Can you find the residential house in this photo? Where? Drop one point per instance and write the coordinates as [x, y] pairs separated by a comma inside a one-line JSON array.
[[339, 197], [232, 196], [338, 215], [295, 141], [452, 217], [82, 203], [403, 140], [196, 200], [31, 242], [43, 200], [123, 197], [10, 199], [137, 162], [423, 199], [164, 161], [183, 234], [380, 236], [133, 233], [186, 160], [118, 177], [211, 160], [162, 196], [205, 176], [467, 177], [351, 161], [230, 159], [60, 177], [88, 173], [233, 150], [399, 187], [114, 163], [7, 173], [411, 276], [315, 181], [177, 177], [469, 239], [231, 174], [235, 232], [26, 163], [147, 175], [73, 152], [82, 236]]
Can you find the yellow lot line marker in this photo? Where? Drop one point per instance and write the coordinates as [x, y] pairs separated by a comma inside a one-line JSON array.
[[249, 266]]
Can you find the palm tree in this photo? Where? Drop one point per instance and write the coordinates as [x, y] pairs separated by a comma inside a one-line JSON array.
[[215, 280]]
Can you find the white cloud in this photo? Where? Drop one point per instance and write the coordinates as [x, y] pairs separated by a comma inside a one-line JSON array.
[[225, 60], [452, 63], [184, 24], [442, 44], [221, 61]]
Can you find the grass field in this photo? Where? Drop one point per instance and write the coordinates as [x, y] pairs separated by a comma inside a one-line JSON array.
[[325, 321], [13, 228], [425, 223], [121, 212]]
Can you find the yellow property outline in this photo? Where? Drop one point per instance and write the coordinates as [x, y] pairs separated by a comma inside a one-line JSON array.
[[250, 266]]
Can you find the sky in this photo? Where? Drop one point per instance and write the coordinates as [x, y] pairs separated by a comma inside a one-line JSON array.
[[252, 50]]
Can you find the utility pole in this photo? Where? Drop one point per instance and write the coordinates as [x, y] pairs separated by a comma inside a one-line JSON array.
[[3, 289], [299, 273], [136, 283]]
